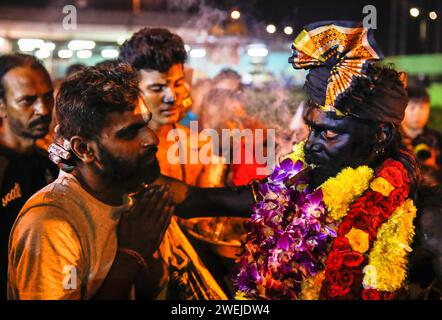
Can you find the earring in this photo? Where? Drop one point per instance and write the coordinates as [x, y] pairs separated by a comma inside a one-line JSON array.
[[380, 151]]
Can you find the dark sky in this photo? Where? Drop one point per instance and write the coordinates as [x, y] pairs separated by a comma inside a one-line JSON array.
[[397, 32]]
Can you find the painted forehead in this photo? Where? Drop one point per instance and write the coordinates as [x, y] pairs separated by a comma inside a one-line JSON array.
[[317, 117], [176, 70]]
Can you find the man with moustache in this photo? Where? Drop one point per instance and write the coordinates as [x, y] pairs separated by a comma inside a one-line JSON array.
[[354, 112], [83, 237], [26, 102]]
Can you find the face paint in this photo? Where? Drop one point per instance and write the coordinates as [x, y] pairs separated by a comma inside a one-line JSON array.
[[334, 144], [141, 109]]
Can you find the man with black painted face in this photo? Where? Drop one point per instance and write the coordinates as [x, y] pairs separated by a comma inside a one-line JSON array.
[[354, 113], [343, 236], [26, 102]]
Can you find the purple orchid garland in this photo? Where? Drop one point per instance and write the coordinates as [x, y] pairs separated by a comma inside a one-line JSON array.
[[288, 238]]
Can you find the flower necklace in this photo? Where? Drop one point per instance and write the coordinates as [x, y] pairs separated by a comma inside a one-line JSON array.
[[287, 254]]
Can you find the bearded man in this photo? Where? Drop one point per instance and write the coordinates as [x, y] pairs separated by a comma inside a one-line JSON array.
[[82, 236], [342, 231]]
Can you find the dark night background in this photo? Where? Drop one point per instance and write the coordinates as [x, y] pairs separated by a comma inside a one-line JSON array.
[[397, 32]]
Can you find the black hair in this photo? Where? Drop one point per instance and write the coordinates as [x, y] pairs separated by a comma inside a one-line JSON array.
[[11, 61], [85, 99], [112, 63], [418, 93], [362, 93], [74, 68], [153, 49]]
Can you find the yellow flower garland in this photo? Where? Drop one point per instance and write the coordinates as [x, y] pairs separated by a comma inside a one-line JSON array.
[[340, 191], [388, 259]]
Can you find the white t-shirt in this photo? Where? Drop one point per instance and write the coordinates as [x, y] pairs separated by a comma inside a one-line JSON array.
[[63, 243]]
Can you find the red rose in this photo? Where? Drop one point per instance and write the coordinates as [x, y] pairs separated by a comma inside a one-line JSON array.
[[385, 208], [335, 291], [362, 221], [392, 175], [367, 223], [345, 227], [371, 294], [399, 166], [397, 197], [371, 199], [334, 261], [341, 244], [388, 295], [375, 211], [332, 276], [345, 278], [376, 222], [393, 163], [352, 259], [405, 176], [360, 202]]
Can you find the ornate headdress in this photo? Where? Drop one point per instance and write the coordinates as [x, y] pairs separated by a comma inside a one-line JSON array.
[[339, 55]]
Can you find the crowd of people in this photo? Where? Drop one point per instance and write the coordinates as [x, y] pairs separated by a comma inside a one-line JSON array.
[[104, 218]]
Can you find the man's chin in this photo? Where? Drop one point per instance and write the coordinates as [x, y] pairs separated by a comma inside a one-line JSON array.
[[320, 174], [169, 120], [39, 136], [152, 171]]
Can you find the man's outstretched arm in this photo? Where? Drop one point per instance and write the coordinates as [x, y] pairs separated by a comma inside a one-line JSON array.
[[193, 202]]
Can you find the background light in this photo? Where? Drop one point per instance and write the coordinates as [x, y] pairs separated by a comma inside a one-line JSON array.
[[43, 53], [433, 15], [257, 50], [288, 30], [27, 45], [84, 54], [121, 39], [65, 54], [271, 28], [414, 12], [198, 53], [48, 46], [109, 53], [81, 45], [235, 14]]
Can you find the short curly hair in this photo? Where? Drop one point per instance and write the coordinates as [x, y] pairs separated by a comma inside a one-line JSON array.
[[153, 49], [85, 99]]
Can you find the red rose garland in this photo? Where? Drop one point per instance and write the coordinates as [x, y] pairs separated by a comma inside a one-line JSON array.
[[344, 265]]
